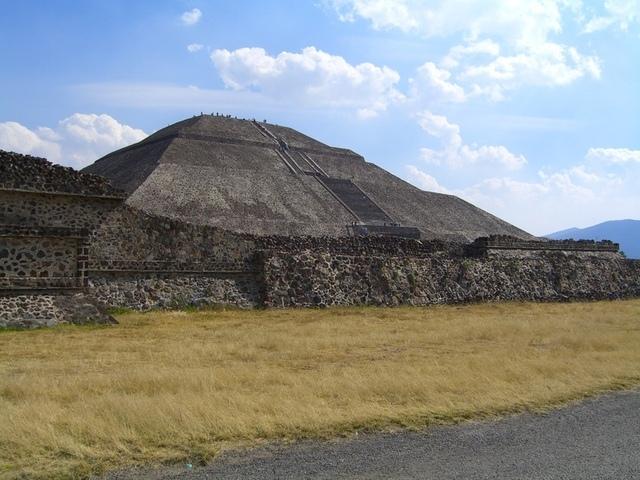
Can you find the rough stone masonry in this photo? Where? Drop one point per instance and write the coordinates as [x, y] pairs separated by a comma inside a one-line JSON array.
[[214, 210]]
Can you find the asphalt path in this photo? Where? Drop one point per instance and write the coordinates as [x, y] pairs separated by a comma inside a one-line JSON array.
[[596, 439]]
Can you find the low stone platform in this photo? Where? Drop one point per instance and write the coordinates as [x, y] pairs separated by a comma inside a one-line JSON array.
[[33, 310]]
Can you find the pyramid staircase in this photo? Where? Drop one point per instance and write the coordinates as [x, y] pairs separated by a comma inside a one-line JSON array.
[[370, 219]]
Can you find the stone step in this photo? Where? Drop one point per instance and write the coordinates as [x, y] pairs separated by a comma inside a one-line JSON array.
[[357, 201]]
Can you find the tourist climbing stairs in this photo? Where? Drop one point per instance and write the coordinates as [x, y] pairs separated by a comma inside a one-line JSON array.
[[282, 150], [264, 131]]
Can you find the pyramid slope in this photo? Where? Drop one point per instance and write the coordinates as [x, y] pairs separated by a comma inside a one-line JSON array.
[[235, 174], [244, 189]]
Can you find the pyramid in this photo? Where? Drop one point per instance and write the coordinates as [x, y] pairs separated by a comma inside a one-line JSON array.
[[264, 179]]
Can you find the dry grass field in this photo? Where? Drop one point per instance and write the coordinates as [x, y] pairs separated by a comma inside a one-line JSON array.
[[172, 386]]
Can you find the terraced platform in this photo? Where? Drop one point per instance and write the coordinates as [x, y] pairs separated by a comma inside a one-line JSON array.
[[254, 177]]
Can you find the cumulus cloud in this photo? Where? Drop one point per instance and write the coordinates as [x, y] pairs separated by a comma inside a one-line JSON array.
[[479, 69], [434, 83], [507, 44], [454, 153], [424, 181], [522, 23], [311, 77], [617, 13], [486, 47], [549, 64], [614, 155], [579, 195], [191, 17], [564, 198], [76, 140], [194, 47], [381, 13], [41, 142]]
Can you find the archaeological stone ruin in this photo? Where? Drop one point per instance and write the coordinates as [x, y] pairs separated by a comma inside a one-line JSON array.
[[215, 210]]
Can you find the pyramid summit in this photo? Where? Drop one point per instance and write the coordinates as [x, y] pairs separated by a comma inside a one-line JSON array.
[[264, 179]]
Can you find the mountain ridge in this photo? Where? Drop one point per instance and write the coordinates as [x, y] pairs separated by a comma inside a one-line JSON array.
[[626, 232]]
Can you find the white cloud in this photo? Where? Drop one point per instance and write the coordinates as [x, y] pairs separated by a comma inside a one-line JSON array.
[[454, 153], [191, 17], [556, 199], [614, 155], [424, 180], [382, 13], [76, 141], [562, 199], [548, 64], [438, 126], [619, 13], [194, 47], [568, 183], [18, 138], [312, 78], [598, 23], [479, 48], [466, 72], [584, 175], [522, 23], [434, 83], [506, 44]]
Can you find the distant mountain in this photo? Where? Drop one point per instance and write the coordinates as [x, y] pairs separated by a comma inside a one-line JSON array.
[[624, 232]]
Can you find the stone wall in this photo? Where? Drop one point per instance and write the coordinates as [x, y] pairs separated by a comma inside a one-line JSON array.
[[24, 172], [318, 279], [140, 261], [129, 240], [70, 250], [143, 291], [46, 214], [46, 310], [497, 243], [43, 238], [531, 253], [372, 245], [37, 258], [54, 210]]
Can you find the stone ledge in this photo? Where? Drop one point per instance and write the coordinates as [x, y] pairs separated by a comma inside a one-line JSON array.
[[12, 230], [512, 243], [34, 174], [46, 310]]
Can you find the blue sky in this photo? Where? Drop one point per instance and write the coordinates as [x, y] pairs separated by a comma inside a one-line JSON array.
[[527, 109]]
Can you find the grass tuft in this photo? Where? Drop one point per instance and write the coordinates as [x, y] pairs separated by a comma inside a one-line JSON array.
[[164, 387]]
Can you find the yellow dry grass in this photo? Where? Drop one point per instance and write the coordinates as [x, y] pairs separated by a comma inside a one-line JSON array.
[[167, 386]]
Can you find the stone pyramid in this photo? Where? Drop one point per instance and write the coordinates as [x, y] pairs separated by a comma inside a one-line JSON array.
[[259, 178]]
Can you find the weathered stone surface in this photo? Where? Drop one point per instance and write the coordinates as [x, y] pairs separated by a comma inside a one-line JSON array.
[[230, 173], [81, 308], [317, 279], [46, 310], [36, 209], [63, 257], [359, 245], [32, 173], [44, 257], [143, 291], [129, 240]]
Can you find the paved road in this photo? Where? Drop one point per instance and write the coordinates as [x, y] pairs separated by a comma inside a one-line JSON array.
[[597, 439]]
